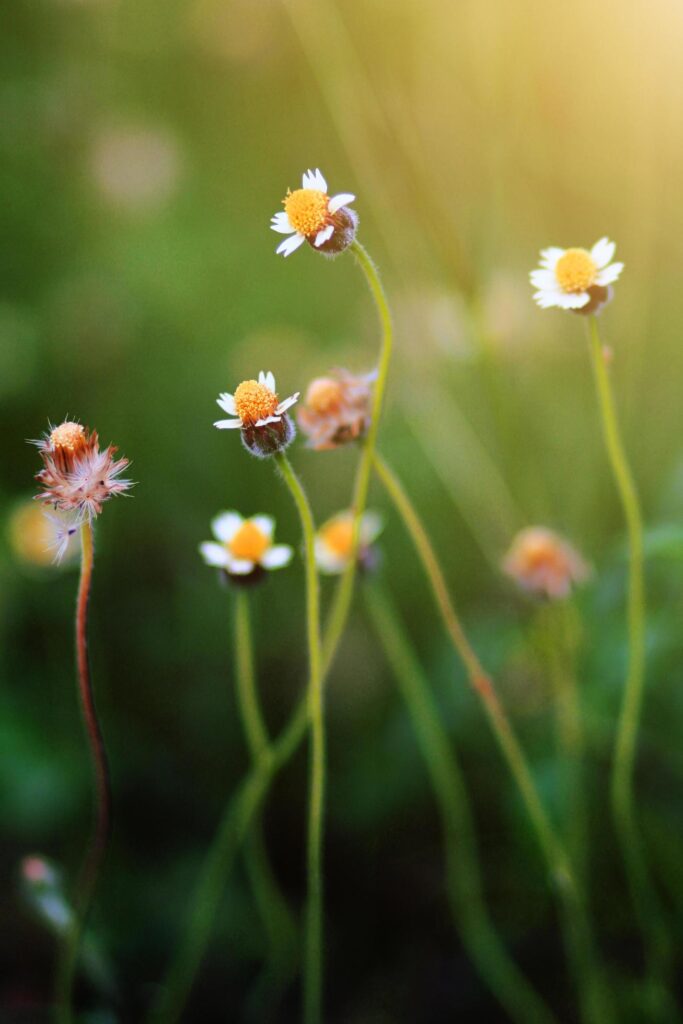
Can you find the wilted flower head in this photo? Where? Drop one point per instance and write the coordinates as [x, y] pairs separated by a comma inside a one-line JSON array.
[[260, 416], [576, 279], [244, 548], [544, 564], [310, 215], [336, 409], [77, 477], [334, 541]]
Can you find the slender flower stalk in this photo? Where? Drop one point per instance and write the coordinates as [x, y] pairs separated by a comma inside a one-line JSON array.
[[643, 893], [342, 599], [595, 1000], [269, 899], [313, 951], [94, 859], [463, 874]]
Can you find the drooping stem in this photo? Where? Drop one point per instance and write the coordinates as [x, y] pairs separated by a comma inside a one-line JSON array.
[[97, 847], [643, 893], [342, 599], [595, 1000], [463, 874], [313, 950]]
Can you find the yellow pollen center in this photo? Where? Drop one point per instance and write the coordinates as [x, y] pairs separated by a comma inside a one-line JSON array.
[[575, 271], [249, 542], [254, 401], [68, 437], [324, 395], [306, 210], [338, 535], [545, 553]]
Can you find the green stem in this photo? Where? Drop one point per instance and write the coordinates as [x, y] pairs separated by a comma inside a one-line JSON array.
[[342, 599], [94, 859], [464, 882], [267, 894], [313, 951], [643, 894], [595, 999]]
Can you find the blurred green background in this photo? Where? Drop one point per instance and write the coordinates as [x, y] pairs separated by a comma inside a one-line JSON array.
[[145, 144]]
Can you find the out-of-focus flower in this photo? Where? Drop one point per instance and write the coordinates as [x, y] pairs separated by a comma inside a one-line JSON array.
[[576, 278], [334, 541], [310, 215], [77, 477], [544, 564], [336, 409], [244, 547], [134, 167], [40, 538], [260, 415]]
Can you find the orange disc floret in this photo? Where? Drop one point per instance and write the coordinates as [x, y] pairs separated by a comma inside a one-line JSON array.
[[254, 402], [306, 209], [68, 437], [324, 395], [575, 271], [338, 536], [249, 542]]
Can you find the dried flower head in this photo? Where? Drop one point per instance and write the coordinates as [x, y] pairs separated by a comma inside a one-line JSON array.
[[260, 416], [310, 215], [334, 541], [544, 564], [77, 477], [576, 279], [336, 409], [244, 548]]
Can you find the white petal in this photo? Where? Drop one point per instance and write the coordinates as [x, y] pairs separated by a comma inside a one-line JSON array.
[[225, 526], [280, 222], [573, 301], [227, 403], [266, 524], [214, 554], [228, 424], [371, 526], [288, 402], [543, 279], [326, 560], [267, 378], [323, 235], [549, 297], [314, 179], [343, 199], [290, 244], [239, 566], [268, 419], [602, 252], [609, 274], [550, 256], [277, 557]]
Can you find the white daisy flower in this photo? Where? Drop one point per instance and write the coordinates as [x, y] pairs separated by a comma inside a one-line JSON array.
[[334, 540], [254, 403], [242, 546], [310, 215], [571, 278]]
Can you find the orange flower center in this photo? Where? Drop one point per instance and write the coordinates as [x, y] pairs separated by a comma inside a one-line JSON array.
[[338, 535], [575, 271], [68, 437], [306, 209], [544, 553], [324, 395], [254, 401], [249, 542]]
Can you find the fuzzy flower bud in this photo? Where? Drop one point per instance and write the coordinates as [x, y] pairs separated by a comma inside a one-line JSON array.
[[544, 564], [336, 409]]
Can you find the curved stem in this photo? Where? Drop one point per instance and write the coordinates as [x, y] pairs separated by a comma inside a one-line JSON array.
[[313, 952], [97, 848], [464, 882], [643, 893], [342, 599], [596, 1004]]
